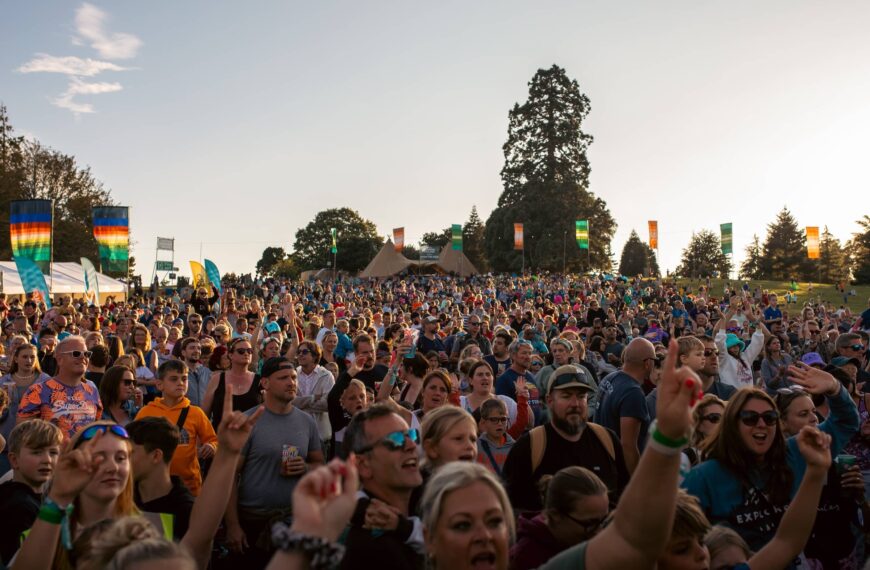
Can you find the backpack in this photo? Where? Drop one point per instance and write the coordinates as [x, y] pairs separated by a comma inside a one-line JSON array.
[[538, 441]]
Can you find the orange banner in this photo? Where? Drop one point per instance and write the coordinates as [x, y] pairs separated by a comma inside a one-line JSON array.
[[812, 242], [399, 239], [653, 234], [518, 236]]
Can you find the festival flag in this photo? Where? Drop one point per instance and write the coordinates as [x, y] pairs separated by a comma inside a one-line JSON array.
[[32, 279], [813, 242], [214, 276], [456, 236], [727, 238], [334, 234], [112, 232], [200, 277], [518, 236], [582, 234], [399, 239], [92, 286], [653, 234], [30, 231]]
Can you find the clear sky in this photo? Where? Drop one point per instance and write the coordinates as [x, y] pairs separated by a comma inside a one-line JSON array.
[[228, 125]]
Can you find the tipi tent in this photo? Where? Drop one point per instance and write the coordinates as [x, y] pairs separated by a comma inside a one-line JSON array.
[[454, 261], [387, 262]]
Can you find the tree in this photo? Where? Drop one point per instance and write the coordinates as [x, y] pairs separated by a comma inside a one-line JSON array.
[[637, 258], [271, 257], [357, 238], [703, 257], [546, 183], [411, 252], [286, 269], [751, 268], [785, 250], [859, 252], [437, 239], [473, 240], [833, 262], [28, 171]]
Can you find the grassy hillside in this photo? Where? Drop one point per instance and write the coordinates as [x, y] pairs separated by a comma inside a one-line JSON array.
[[825, 292]]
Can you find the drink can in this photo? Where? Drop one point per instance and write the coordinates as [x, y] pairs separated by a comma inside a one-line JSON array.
[[845, 461]]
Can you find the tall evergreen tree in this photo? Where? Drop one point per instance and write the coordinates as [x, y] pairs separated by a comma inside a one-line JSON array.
[[859, 252], [473, 240], [751, 268], [833, 264], [785, 250], [546, 183], [637, 258], [703, 257]]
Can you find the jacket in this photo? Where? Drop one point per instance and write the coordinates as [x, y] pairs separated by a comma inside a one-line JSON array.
[[535, 544], [728, 366], [197, 429], [312, 397]]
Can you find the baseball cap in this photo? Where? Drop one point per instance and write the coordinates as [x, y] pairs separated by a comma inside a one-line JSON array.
[[841, 361], [272, 327], [812, 358], [431, 319], [569, 376], [274, 364]]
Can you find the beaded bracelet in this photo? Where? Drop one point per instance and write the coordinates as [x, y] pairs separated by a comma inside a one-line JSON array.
[[321, 553]]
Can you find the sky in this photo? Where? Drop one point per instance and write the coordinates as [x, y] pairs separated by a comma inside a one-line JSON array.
[[228, 125]]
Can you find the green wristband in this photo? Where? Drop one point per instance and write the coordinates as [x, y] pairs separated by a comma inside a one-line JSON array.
[[661, 438], [50, 513]]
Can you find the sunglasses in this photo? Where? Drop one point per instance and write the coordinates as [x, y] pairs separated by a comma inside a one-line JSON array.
[[78, 353], [713, 418], [750, 419], [588, 525], [303, 352], [537, 363], [244, 351], [394, 441], [91, 432], [709, 352], [858, 347], [129, 382]]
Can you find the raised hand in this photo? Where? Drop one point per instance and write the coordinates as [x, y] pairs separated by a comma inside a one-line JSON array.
[[381, 515], [324, 500], [814, 380], [815, 446], [235, 427], [679, 390], [75, 469]]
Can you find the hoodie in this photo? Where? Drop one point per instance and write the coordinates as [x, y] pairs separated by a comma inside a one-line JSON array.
[[196, 429], [19, 505], [535, 544], [492, 455]]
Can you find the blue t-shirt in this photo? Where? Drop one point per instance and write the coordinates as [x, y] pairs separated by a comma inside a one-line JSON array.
[[620, 396], [772, 313]]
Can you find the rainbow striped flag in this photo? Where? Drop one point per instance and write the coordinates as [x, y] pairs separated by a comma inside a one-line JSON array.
[[112, 232], [30, 231]]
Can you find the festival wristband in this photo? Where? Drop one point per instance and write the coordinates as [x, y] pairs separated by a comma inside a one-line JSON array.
[[53, 513], [659, 437], [663, 449]]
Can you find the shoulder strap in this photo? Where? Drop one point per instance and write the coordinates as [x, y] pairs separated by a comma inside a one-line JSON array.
[[604, 437], [182, 417], [489, 455], [538, 441]]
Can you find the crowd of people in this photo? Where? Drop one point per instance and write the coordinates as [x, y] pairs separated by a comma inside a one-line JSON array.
[[496, 421]]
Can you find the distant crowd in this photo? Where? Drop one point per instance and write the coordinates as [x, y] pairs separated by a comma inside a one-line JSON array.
[[504, 422]]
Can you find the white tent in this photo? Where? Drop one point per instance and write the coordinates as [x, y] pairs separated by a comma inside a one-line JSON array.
[[67, 277]]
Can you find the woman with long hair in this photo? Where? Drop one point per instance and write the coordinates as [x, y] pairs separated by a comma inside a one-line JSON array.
[[774, 366], [327, 355], [116, 348], [481, 380], [706, 416], [245, 384], [24, 371], [752, 470], [437, 391], [140, 338], [121, 399], [219, 359]]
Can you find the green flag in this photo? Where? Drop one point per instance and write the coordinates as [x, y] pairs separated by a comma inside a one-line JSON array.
[[334, 234], [582, 234], [727, 238], [456, 236]]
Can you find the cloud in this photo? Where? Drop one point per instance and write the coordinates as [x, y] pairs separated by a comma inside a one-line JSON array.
[[90, 24], [68, 65], [79, 87]]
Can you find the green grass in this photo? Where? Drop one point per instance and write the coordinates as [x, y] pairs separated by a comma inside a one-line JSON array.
[[824, 292]]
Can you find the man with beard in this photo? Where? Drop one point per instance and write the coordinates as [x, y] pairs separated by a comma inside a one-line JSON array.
[[568, 439], [282, 447]]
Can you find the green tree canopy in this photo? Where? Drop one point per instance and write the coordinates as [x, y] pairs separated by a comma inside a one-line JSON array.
[[28, 171], [703, 257], [859, 251], [436, 239], [832, 266], [637, 258], [785, 250], [751, 268], [358, 241], [473, 240], [271, 257], [546, 183]]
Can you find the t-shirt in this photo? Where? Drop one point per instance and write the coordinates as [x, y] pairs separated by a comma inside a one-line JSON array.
[[19, 505], [262, 488], [70, 408], [620, 396], [498, 366], [772, 313], [178, 502], [504, 386]]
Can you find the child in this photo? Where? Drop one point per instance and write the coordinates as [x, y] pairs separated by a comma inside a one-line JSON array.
[[494, 442], [197, 435], [34, 446], [345, 345], [691, 353]]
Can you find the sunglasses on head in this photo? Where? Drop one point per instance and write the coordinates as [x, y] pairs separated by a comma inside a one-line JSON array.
[[91, 432], [750, 419], [394, 441]]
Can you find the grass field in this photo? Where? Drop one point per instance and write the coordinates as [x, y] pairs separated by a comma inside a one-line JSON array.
[[824, 292]]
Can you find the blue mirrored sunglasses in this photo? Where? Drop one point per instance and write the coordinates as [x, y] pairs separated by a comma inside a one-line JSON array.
[[92, 431]]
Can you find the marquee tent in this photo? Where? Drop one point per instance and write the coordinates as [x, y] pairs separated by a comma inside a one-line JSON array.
[[66, 277]]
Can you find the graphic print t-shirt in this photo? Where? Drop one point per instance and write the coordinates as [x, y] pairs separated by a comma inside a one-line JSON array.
[[68, 407]]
